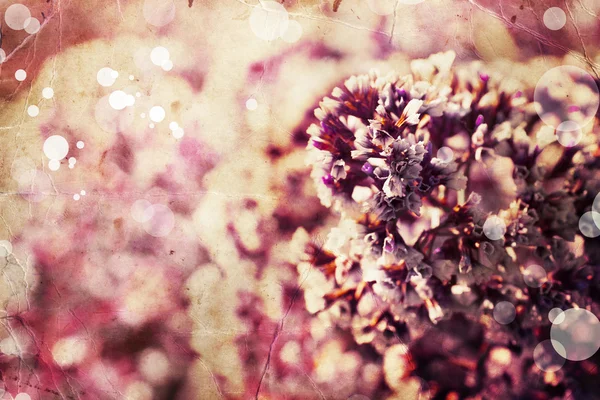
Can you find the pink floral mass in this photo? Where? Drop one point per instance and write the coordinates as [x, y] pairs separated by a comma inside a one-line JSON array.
[[299, 199]]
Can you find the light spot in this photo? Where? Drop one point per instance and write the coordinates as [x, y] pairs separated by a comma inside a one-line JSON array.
[[494, 228], [154, 366], [23, 171], [534, 276], [268, 19], [162, 221], [33, 110], [76, 197], [72, 160], [118, 100], [178, 133], [111, 120], [54, 165], [159, 55], [556, 315], [173, 125], [107, 76], [2, 56], [69, 351], [141, 210], [546, 356], [5, 248], [16, 16], [578, 334], [48, 93], [504, 312], [157, 114], [82, 193], [80, 144], [22, 396], [32, 25], [292, 33], [555, 18], [159, 12], [20, 75], [131, 77], [568, 133], [251, 104], [587, 226], [445, 154], [566, 98], [56, 147], [167, 65]]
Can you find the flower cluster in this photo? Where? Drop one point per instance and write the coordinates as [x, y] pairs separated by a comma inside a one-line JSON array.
[[448, 193]]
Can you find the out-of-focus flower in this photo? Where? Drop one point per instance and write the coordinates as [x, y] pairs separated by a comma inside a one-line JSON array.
[[426, 301]]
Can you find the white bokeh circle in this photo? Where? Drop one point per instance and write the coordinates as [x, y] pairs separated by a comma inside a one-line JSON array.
[[546, 356], [587, 224], [268, 20], [56, 147], [555, 18], [494, 228], [566, 95], [162, 221], [578, 334], [16, 16], [504, 312], [534, 276], [158, 12]]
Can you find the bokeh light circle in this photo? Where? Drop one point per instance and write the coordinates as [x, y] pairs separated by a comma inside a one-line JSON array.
[[556, 315], [33, 110], [292, 33], [158, 12], [157, 114], [251, 104], [268, 19], [445, 154], [159, 55], [142, 211], [119, 100], [504, 312], [162, 221], [382, 7], [178, 133], [494, 228], [5, 248], [568, 133], [555, 18], [47, 93], [54, 165], [32, 25], [111, 120], [566, 93], [16, 16], [587, 224], [547, 358], [534, 276], [578, 334], [20, 75], [56, 147], [107, 76]]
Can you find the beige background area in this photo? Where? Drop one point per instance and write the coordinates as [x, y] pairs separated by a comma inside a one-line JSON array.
[[219, 180]]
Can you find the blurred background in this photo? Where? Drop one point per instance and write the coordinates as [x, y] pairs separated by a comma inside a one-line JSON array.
[[155, 198]]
